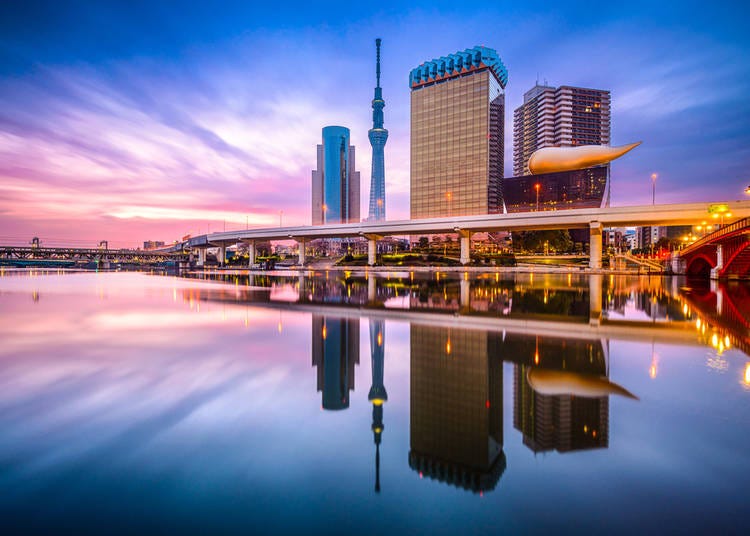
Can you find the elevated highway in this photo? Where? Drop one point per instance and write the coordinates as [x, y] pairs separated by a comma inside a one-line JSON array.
[[594, 219]]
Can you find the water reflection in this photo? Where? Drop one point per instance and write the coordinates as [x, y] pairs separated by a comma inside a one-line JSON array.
[[207, 387]]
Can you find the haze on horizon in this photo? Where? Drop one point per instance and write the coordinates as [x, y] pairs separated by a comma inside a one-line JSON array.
[[130, 121]]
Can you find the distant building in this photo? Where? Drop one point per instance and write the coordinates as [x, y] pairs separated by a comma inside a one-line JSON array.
[[457, 134], [153, 244], [335, 183], [559, 117], [647, 236]]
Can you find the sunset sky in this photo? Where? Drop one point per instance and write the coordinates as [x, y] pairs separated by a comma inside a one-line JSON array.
[[131, 121]]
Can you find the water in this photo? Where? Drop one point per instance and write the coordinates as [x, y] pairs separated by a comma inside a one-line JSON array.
[[433, 403]]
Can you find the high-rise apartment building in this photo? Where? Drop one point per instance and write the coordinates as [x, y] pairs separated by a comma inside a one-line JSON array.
[[457, 134], [378, 136], [561, 117], [335, 184]]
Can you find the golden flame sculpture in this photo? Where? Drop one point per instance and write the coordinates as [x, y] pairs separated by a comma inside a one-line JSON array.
[[553, 159]]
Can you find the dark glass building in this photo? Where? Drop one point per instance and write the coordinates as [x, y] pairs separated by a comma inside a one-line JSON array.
[[581, 188], [335, 352], [335, 184]]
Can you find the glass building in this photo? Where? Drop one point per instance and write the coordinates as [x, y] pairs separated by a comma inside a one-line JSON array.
[[335, 352], [581, 188], [457, 134], [335, 183]]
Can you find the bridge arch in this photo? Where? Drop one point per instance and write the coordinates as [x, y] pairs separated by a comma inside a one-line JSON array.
[[700, 265], [738, 264]]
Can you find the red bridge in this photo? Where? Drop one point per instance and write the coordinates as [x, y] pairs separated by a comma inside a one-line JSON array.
[[723, 254]]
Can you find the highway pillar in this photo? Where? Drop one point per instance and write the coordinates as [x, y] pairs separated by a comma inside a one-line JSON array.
[[301, 252], [372, 245], [250, 254], [595, 299], [595, 245], [719, 262], [201, 256], [465, 237], [222, 255]]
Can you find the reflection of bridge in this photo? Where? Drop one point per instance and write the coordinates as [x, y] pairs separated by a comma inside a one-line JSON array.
[[25, 256], [723, 254], [593, 219]]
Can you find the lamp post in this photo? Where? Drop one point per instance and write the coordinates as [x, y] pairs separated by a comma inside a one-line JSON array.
[[747, 190], [654, 176], [536, 187], [449, 198], [281, 213]]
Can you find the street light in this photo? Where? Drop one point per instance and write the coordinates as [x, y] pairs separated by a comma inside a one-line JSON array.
[[536, 187], [747, 190], [654, 176], [449, 198]]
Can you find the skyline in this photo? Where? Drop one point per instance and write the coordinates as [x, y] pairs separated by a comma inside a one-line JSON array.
[[132, 123]]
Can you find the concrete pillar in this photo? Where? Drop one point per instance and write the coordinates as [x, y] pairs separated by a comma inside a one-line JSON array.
[[371, 288], [251, 254], [465, 287], [719, 262], [678, 264], [595, 299], [301, 252], [465, 238], [595, 246], [222, 254], [201, 256], [372, 245]]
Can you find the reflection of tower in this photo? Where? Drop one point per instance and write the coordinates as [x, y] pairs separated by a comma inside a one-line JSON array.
[[562, 422], [378, 395], [335, 348], [456, 408], [378, 136]]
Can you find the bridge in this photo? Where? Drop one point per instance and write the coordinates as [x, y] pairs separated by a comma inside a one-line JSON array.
[[32, 255], [722, 254], [594, 219]]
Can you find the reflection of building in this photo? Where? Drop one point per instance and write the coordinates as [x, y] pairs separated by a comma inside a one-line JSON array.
[[559, 117], [457, 134], [564, 422], [456, 408], [378, 395], [581, 188], [335, 349], [335, 184]]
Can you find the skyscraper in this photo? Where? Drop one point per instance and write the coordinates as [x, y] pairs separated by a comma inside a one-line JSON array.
[[378, 136], [561, 117], [335, 184], [457, 134]]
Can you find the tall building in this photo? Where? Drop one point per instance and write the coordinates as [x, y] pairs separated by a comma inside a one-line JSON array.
[[335, 184], [378, 136], [377, 395], [560, 117], [335, 352], [457, 134]]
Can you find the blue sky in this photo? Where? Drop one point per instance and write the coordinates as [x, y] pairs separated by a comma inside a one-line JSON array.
[[150, 120]]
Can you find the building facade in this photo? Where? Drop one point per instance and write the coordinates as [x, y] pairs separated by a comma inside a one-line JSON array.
[[559, 117], [335, 183], [378, 136], [335, 352], [457, 134], [580, 188]]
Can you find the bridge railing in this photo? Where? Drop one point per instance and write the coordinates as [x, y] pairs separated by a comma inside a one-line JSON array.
[[711, 237]]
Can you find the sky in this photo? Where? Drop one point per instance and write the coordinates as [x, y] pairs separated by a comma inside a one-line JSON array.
[[131, 121]]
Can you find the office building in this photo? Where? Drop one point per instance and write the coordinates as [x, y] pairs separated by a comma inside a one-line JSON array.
[[559, 117], [580, 188], [335, 183], [378, 136], [457, 134]]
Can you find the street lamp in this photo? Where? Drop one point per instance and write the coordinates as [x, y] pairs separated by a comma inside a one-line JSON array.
[[747, 190], [536, 187], [654, 176], [449, 198]]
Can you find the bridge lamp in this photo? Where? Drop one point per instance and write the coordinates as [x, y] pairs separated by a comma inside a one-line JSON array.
[[747, 190]]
